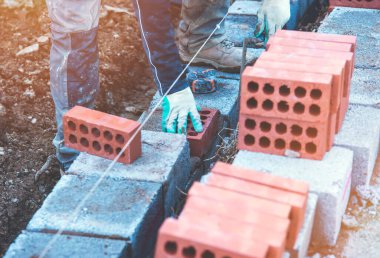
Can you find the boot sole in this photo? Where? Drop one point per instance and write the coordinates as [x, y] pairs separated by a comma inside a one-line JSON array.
[[201, 61]]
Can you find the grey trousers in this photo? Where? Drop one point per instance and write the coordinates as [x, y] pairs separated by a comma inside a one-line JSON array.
[[199, 19]]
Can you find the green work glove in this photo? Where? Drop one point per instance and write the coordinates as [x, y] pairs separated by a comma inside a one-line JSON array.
[[176, 109], [273, 15]]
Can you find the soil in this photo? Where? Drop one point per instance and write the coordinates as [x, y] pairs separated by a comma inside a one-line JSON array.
[[28, 125]]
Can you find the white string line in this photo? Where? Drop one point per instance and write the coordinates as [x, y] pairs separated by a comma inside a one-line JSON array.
[[77, 210]]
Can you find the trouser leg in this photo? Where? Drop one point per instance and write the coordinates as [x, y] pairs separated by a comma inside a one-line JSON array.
[[158, 40], [199, 19], [74, 61]]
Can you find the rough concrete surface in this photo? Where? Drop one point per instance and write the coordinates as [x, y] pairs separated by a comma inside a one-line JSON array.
[[245, 8], [165, 160], [365, 24], [32, 244], [118, 209], [365, 88], [329, 178], [360, 133]]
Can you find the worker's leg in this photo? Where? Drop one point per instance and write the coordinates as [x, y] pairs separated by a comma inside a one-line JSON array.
[[159, 43], [199, 19], [74, 61]]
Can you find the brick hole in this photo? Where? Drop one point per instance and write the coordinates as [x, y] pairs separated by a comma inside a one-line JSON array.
[[72, 126], [311, 148], [205, 112], [315, 110], [299, 108], [268, 89], [264, 142], [203, 117], [96, 146], [119, 138], [249, 140], [252, 103], [250, 124], [300, 92], [265, 126], [203, 122], [73, 139], [108, 149], [253, 87], [84, 142], [95, 132], [268, 105], [281, 128], [189, 252], [316, 94], [295, 145], [279, 144], [118, 150], [208, 254], [83, 129], [296, 130], [192, 133], [226, 257], [171, 247], [284, 90], [108, 135], [283, 106], [311, 132]]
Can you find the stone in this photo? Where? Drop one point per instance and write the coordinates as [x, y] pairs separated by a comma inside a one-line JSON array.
[[329, 178], [118, 208], [360, 133], [245, 8], [165, 160], [32, 244]]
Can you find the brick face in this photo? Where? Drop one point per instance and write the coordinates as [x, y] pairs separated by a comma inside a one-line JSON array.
[[101, 134], [368, 4]]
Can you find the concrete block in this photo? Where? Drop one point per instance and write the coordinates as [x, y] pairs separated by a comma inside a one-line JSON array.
[[340, 21], [360, 133], [245, 24], [118, 209], [329, 178], [245, 8], [365, 88], [165, 160], [304, 237], [31, 244]]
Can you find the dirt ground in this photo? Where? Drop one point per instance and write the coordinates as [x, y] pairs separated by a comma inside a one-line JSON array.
[[27, 129]]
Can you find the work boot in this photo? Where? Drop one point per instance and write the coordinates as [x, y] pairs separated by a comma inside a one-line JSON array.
[[223, 56]]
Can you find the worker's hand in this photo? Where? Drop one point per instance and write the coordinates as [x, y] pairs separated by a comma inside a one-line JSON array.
[[273, 15], [176, 109]]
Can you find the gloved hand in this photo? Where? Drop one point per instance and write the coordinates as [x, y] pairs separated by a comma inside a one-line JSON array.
[[272, 15], [176, 109]]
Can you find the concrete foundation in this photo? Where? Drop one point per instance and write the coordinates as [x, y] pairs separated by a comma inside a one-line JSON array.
[[165, 160], [118, 209], [31, 244], [365, 88], [362, 23], [330, 179], [360, 133]]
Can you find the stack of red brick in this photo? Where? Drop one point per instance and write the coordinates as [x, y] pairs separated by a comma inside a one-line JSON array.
[[369, 4], [294, 99], [101, 134], [237, 213]]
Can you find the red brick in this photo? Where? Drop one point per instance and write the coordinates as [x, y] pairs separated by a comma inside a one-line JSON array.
[[200, 143], [368, 4], [276, 136], [240, 230], [251, 175], [246, 213], [318, 37], [328, 54], [176, 239], [262, 94], [342, 113], [237, 200], [296, 201], [101, 134], [310, 44]]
